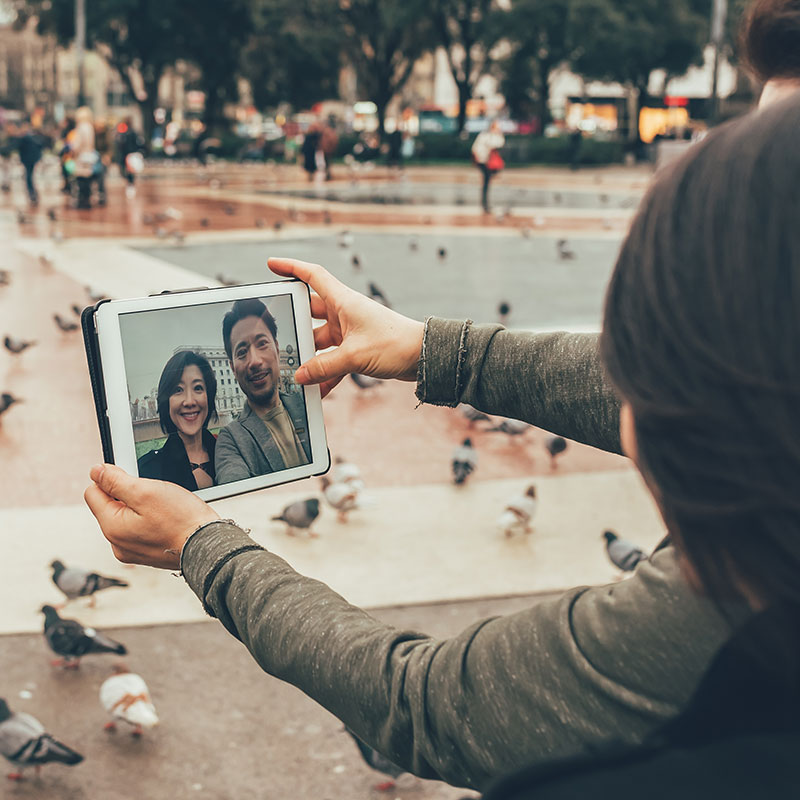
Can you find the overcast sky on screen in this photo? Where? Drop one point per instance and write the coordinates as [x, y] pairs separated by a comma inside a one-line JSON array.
[[149, 338]]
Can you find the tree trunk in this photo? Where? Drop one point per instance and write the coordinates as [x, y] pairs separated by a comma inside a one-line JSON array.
[[463, 98], [148, 107], [544, 95]]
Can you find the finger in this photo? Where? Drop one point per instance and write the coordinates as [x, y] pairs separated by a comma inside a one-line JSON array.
[[324, 337], [327, 387], [317, 277], [101, 505], [319, 309], [116, 483], [324, 367]]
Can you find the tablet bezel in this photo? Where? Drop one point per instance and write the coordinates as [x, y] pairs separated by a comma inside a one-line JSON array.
[[115, 383]]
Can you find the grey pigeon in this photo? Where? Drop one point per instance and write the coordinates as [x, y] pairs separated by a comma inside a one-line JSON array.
[[472, 414], [24, 743], [70, 640], [51, 215], [6, 401], [16, 346], [65, 325], [373, 759], [511, 427], [346, 239], [356, 262], [623, 554], [555, 445], [300, 515], [364, 381], [277, 226], [5, 277], [442, 253], [77, 582], [465, 459], [76, 309], [564, 251], [377, 295]]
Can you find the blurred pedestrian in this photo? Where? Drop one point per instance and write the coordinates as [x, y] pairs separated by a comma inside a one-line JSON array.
[[64, 150], [129, 153], [329, 143], [7, 141], [575, 142], [86, 156], [30, 145], [486, 155], [103, 143], [311, 144]]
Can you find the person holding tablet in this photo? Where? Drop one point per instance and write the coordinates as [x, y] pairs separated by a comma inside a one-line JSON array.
[[186, 401], [270, 433]]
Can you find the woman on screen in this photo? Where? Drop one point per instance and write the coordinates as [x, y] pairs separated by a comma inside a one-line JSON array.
[[187, 392]]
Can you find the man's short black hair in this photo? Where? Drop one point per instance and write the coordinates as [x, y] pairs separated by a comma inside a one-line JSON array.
[[252, 307]]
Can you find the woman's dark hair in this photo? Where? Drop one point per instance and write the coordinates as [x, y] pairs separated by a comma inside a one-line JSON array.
[[251, 307], [702, 338], [770, 39], [170, 378]]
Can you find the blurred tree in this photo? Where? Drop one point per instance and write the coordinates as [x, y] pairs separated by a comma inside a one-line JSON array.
[[213, 36], [136, 37], [294, 54], [625, 40], [467, 30], [383, 40], [538, 32]]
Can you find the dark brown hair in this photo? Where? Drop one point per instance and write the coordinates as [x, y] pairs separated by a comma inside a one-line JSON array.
[[770, 39], [251, 307], [170, 378], [702, 338]]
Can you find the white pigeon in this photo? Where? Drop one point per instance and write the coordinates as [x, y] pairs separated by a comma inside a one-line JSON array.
[[518, 513], [346, 472], [126, 697], [341, 496]]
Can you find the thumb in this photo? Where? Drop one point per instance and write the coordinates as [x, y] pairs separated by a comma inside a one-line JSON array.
[[324, 367], [115, 482]]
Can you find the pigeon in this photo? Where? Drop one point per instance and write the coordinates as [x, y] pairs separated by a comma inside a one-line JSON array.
[[511, 427], [465, 459], [205, 222], [525, 231], [364, 381], [300, 515], [372, 758], [17, 346], [46, 262], [518, 513], [564, 251], [76, 582], [76, 309], [346, 239], [51, 214], [6, 401], [442, 253], [472, 414], [413, 244], [341, 496], [65, 325], [126, 697], [346, 472], [377, 295], [229, 209], [503, 311], [161, 233], [277, 226], [57, 236], [70, 640], [623, 554], [604, 198], [558, 198], [5, 277], [555, 446], [226, 281], [148, 219], [22, 218], [179, 237], [356, 262], [24, 743]]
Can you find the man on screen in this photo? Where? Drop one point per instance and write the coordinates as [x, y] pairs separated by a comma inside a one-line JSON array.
[[270, 433]]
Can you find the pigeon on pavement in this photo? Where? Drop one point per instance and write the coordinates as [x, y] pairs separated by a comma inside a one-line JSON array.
[[70, 640], [364, 381], [555, 446], [377, 295], [6, 401], [66, 325], [472, 414], [511, 427], [346, 472], [465, 459], [356, 262], [77, 582], [126, 697], [341, 496], [372, 758], [564, 251], [623, 554], [5, 277], [16, 346], [518, 513], [346, 239], [300, 515], [24, 742]]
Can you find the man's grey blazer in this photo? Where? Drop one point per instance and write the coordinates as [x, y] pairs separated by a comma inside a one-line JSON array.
[[245, 448]]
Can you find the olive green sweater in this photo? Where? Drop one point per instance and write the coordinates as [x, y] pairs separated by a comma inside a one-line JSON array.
[[594, 665]]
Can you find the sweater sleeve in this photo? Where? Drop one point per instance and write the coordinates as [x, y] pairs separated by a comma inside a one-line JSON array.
[[552, 380], [566, 675]]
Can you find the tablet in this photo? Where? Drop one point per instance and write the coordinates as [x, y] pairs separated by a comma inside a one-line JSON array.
[[197, 387]]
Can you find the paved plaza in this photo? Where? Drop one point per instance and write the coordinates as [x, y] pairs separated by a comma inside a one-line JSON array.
[[421, 552]]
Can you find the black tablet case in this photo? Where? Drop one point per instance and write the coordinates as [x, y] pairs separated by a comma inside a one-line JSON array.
[[96, 375]]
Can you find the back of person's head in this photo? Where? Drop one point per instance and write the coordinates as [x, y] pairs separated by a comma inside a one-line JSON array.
[[770, 39], [702, 338], [251, 307], [83, 114], [170, 378]]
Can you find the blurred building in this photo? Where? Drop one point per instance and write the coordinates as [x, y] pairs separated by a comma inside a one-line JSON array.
[[28, 70]]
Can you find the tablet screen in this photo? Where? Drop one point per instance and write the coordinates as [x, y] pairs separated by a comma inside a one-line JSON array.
[[211, 391]]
